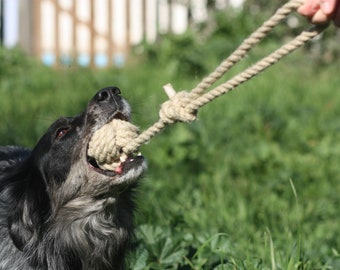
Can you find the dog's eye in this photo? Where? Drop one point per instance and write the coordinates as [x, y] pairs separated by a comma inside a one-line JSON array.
[[61, 132]]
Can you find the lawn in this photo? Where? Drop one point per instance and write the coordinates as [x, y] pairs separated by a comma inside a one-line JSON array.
[[254, 183]]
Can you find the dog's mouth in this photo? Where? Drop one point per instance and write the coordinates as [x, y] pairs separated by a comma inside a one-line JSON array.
[[122, 164], [120, 116]]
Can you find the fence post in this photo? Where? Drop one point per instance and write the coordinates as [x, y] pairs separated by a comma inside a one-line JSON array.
[[27, 31], [92, 34], [110, 45], [74, 32], [37, 27]]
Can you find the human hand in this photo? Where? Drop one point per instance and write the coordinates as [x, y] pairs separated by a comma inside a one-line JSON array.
[[321, 11]]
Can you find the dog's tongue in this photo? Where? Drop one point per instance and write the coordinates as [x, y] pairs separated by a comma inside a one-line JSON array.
[[119, 169]]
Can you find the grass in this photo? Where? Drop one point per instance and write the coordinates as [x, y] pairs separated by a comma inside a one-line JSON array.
[[253, 184]]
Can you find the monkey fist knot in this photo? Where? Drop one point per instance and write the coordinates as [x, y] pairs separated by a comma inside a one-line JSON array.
[[107, 144]]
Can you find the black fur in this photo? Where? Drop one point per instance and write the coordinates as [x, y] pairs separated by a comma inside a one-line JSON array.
[[58, 210]]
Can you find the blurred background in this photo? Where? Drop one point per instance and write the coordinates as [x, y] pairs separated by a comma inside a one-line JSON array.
[[254, 183], [99, 33]]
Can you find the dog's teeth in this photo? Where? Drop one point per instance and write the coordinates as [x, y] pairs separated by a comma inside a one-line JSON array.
[[139, 154], [123, 157]]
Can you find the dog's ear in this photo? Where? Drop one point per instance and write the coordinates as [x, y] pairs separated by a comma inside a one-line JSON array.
[[20, 227]]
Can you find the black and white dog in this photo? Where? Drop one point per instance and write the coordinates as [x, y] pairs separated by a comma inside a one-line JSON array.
[[58, 209]]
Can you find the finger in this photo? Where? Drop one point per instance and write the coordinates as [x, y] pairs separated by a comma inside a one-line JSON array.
[[328, 6], [309, 8], [303, 10]]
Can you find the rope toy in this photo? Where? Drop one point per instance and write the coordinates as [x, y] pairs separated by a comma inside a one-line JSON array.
[[183, 106], [107, 143]]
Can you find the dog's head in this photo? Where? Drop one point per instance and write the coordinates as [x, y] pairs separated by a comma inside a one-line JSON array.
[[61, 154]]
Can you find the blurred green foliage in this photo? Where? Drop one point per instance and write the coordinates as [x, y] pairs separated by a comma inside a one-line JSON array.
[[253, 184]]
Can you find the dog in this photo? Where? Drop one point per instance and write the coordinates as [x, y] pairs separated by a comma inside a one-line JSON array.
[[58, 209]]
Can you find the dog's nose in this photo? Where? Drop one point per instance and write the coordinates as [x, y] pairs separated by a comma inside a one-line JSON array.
[[107, 94]]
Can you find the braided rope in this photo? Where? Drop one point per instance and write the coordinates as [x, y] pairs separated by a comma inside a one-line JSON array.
[[255, 69], [247, 44], [183, 106]]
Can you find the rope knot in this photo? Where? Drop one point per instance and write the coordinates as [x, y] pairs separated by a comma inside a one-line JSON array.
[[177, 109]]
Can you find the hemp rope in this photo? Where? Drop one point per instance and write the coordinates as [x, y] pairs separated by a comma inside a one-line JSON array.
[[119, 136]]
